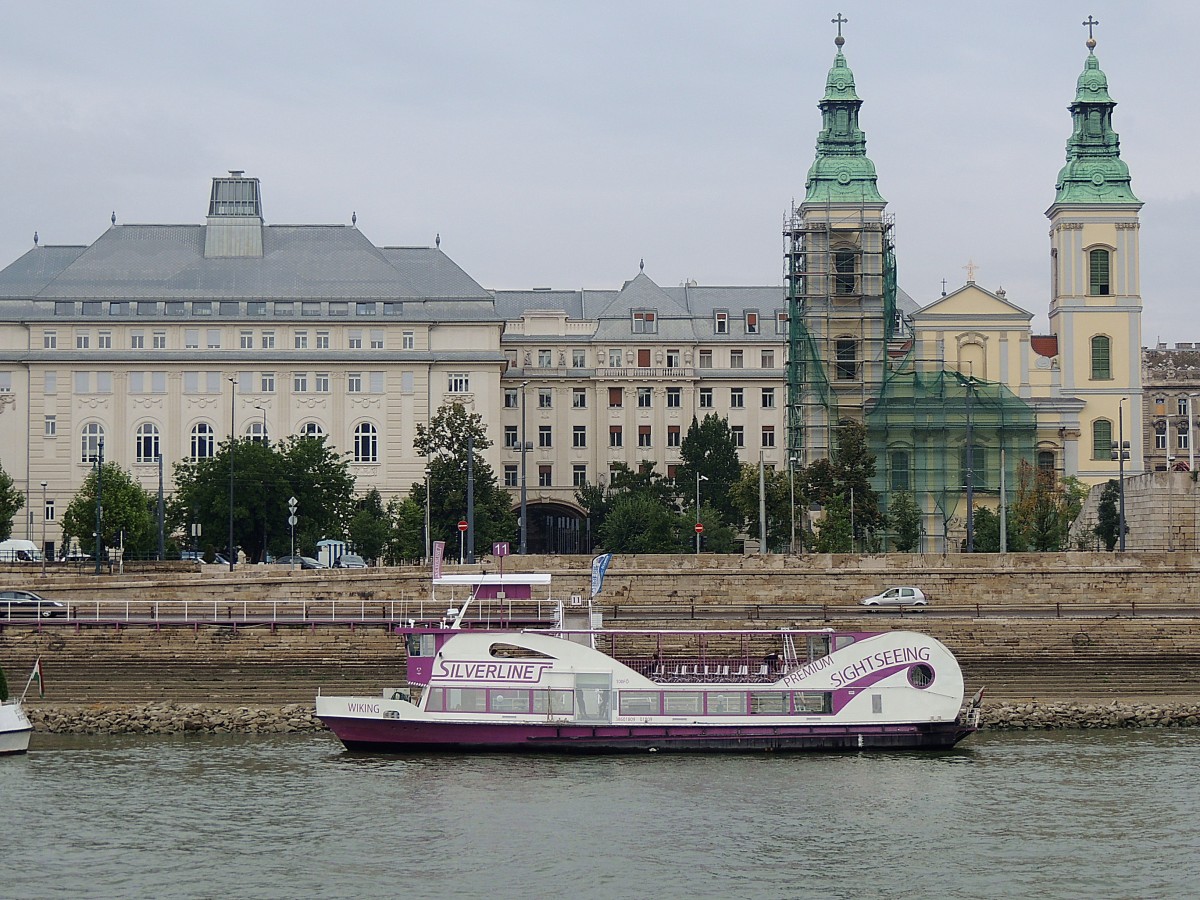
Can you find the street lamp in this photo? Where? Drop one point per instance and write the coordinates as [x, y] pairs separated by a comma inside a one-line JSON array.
[[524, 450], [232, 415], [99, 460], [1120, 452], [292, 504], [263, 410], [699, 478], [1191, 450], [43, 528]]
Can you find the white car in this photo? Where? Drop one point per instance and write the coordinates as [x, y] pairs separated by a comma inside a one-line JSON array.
[[897, 596]]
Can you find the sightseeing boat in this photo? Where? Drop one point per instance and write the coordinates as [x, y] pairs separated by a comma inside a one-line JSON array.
[[577, 687]]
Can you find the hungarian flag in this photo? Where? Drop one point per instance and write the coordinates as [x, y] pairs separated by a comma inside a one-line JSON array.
[[36, 675]]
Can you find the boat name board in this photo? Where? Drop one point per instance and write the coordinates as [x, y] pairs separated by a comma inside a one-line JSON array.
[[489, 670], [865, 666]]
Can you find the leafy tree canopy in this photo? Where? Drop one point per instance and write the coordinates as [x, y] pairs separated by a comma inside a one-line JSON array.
[[11, 501], [709, 450], [777, 491], [125, 506], [904, 520]]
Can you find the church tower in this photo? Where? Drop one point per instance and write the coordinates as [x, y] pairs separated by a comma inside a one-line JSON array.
[[1096, 304], [841, 278]]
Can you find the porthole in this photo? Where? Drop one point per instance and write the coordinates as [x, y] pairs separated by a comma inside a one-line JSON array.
[[920, 675]]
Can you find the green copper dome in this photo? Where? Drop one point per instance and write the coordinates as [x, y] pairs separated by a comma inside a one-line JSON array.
[[841, 173], [1095, 172]]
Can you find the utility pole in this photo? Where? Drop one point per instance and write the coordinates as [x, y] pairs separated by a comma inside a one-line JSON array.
[[162, 538], [99, 500]]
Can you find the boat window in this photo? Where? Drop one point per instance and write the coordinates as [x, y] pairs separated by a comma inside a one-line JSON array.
[[508, 700], [554, 703], [639, 703], [436, 701], [727, 703], [843, 640], [812, 701], [920, 675], [677, 702], [768, 703], [420, 645], [466, 699], [512, 651], [818, 646]]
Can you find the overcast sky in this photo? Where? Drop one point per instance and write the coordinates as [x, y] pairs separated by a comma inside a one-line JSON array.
[[557, 144]]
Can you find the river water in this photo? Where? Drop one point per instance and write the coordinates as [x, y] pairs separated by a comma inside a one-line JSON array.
[[1047, 814]]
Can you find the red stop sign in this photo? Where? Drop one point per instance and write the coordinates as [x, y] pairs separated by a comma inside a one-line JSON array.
[[699, 527], [462, 525]]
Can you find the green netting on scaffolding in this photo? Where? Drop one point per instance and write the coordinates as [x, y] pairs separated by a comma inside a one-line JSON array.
[[812, 403], [889, 287], [918, 433]]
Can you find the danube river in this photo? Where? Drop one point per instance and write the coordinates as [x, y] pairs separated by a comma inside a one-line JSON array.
[[1045, 814]]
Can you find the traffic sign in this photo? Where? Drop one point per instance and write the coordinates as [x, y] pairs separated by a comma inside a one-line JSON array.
[[292, 521], [500, 548], [462, 524], [699, 527]]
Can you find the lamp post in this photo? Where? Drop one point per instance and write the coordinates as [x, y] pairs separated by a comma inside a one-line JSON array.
[[699, 478], [524, 451], [792, 497], [970, 472], [1191, 447], [162, 541], [99, 459], [1120, 452], [232, 414], [263, 410], [292, 504], [428, 543], [43, 528]]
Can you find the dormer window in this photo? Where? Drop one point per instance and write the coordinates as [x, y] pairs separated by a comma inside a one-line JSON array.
[[721, 323], [751, 323], [645, 321]]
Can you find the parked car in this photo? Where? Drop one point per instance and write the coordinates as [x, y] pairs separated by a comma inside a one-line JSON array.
[[897, 596], [350, 561], [304, 562], [27, 603]]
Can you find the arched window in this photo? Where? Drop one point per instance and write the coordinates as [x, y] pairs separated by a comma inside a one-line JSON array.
[[146, 443], [1101, 358], [203, 441], [257, 432], [1098, 267], [311, 429], [847, 359], [366, 443], [1102, 447], [1045, 461], [93, 440]]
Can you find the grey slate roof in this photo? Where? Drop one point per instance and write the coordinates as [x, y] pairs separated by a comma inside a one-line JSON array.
[[166, 262]]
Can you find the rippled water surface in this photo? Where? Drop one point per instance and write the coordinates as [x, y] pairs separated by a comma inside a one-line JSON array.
[[1058, 814]]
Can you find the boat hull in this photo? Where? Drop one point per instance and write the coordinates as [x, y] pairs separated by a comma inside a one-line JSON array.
[[15, 729], [398, 736]]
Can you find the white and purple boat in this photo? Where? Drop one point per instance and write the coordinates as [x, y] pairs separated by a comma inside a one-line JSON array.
[[483, 689]]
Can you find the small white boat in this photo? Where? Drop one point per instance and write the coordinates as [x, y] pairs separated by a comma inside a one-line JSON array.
[[15, 728]]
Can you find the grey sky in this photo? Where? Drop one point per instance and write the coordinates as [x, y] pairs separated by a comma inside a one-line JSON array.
[[556, 144]]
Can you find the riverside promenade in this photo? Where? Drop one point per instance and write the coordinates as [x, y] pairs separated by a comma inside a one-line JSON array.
[[1038, 631]]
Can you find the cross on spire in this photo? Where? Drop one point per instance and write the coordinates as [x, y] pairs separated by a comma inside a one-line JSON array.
[[839, 22], [1090, 23], [971, 267]]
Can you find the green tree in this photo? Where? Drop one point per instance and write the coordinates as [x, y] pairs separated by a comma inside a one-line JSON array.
[[11, 500], [126, 509], [855, 466], [904, 520], [370, 527], [1108, 518], [265, 476], [639, 524], [777, 493], [709, 450], [1045, 507], [445, 442], [987, 532], [834, 535], [406, 540]]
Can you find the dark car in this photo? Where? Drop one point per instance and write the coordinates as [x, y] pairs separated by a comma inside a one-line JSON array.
[[304, 562], [27, 603], [350, 561]]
